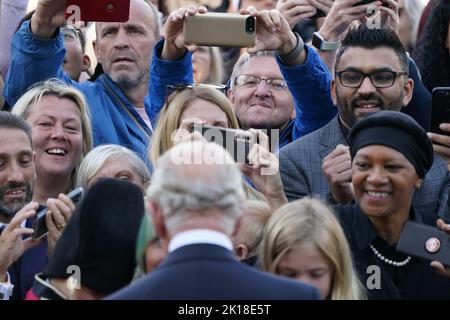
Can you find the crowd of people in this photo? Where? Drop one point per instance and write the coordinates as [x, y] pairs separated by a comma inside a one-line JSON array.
[[333, 101]]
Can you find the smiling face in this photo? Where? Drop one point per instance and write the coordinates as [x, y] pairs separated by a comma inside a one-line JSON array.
[[57, 136], [260, 107], [383, 181], [207, 111], [306, 263], [355, 103], [118, 167], [125, 49], [16, 171]]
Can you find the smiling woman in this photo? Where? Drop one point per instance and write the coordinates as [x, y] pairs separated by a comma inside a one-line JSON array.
[[61, 134], [391, 155]]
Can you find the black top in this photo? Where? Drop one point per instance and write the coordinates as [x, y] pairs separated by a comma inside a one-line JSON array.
[[415, 280]]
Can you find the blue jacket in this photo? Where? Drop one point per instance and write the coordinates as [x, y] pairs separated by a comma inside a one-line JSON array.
[[114, 119], [310, 116]]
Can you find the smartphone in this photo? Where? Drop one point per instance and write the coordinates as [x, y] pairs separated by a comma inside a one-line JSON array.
[[440, 110], [220, 29], [319, 14], [40, 226], [237, 142], [425, 242], [97, 10], [362, 2]]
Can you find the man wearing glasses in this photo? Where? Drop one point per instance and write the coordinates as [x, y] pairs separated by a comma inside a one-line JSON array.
[[370, 75]]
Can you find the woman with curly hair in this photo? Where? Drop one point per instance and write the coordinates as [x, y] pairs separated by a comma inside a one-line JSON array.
[[433, 48]]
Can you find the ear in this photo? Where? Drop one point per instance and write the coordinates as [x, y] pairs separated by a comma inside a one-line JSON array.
[[86, 63], [293, 114], [97, 51], [333, 92], [158, 221], [408, 89], [230, 96], [241, 251]]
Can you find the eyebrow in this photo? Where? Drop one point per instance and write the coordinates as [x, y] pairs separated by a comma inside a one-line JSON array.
[[20, 153], [373, 70]]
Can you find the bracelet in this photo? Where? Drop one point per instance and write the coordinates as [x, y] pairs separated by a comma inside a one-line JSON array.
[[291, 56]]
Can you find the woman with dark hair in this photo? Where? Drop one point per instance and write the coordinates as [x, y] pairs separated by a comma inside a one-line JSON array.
[[391, 155], [433, 48]]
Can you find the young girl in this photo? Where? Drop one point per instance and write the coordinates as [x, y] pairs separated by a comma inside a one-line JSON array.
[[303, 240]]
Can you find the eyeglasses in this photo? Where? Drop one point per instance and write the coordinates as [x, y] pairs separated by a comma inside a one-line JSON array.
[[171, 88], [379, 79], [249, 81]]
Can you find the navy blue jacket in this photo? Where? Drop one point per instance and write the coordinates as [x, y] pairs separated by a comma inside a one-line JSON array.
[[211, 272]]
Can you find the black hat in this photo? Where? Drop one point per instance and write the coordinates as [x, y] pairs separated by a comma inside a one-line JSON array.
[[395, 130], [100, 238]]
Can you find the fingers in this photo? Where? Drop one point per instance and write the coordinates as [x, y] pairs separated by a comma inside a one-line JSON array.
[[26, 212], [443, 226], [30, 243], [440, 269], [55, 215]]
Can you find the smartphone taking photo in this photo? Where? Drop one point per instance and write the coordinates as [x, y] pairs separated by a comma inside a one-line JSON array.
[[220, 29], [97, 10], [237, 142], [440, 109], [40, 226]]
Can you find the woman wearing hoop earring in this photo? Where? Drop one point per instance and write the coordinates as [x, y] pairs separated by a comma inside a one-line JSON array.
[[390, 155]]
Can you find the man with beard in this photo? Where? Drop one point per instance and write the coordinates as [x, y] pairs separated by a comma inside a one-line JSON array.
[[118, 99], [16, 187], [371, 74]]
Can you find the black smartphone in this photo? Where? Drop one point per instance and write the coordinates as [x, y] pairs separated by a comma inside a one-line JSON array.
[[425, 242], [319, 14], [40, 227], [237, 142], [440, 110], [362, 2]]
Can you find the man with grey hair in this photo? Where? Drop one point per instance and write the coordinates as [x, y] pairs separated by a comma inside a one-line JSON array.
[[196, 206], [119, 98]]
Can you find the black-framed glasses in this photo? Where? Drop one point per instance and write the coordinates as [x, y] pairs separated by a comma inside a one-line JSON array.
[[171, 88], [249, 81], [379, 79]]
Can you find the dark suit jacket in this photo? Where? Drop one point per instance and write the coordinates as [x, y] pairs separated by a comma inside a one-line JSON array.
[[23, 270], [211, 272], [302, 175]]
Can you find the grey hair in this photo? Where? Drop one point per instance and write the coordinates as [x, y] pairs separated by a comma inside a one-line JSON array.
[[243, 59], [97, 157], [185, 197]]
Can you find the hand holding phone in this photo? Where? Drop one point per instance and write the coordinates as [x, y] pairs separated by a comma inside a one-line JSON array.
[[440, 110], [40, 225]]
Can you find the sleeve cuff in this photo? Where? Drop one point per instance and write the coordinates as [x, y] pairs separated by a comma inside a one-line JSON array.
[[38, 46], [165, 67]]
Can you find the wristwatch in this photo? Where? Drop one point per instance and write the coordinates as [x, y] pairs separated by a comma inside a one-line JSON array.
[[321, 44]]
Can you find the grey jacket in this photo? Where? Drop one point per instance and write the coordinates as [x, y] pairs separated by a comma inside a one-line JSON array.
[[301, 171]]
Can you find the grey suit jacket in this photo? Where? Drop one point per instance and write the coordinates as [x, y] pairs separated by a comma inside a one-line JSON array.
[[302, 175]]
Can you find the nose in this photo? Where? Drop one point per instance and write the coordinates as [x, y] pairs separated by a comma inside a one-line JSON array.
[[376, 176], [58, 132], [262, 89], [121, 40], [366, 87], [15, 173]]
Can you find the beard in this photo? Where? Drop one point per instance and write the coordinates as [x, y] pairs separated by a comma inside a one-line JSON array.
[[11, 208], [129, 80], [347, 108]]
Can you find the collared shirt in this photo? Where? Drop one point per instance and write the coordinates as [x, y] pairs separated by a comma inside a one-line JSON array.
[[196, 236], [415, 280]]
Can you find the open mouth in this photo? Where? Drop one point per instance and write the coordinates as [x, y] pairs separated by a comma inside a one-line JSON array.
[[378, 195], [16, 192], [60, 152]]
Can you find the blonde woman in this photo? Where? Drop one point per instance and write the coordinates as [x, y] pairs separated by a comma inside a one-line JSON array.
[[204, 104], [62, 136], [303, 240]]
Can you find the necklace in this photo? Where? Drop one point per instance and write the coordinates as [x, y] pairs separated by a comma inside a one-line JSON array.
[[388, 261]]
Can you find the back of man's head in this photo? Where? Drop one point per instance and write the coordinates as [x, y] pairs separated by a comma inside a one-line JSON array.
[[366, 38], [197, 185]]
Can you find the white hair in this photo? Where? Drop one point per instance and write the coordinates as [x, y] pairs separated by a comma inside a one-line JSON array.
[[191, 191]]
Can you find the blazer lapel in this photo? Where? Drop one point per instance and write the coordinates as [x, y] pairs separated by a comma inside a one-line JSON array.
[[330, 137]]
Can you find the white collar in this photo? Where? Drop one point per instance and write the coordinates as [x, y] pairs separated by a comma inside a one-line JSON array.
[[200, 236]]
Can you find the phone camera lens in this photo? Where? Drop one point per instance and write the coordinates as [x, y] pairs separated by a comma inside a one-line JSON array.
[[110, 7], [250, 25]]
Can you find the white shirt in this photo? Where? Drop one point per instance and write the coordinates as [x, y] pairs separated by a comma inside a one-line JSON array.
[[197, 236]]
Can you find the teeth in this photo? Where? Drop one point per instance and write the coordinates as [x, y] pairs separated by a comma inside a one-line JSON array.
[[56, 151], [378, 194], [15, 191]]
